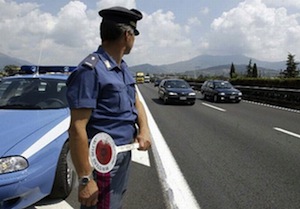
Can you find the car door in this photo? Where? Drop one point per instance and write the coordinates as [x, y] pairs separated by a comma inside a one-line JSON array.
[[161, 89]]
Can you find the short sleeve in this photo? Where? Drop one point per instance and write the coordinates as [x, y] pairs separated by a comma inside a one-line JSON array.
[[82, 88]]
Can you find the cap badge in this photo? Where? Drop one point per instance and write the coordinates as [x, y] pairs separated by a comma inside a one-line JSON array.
[[132, 23]]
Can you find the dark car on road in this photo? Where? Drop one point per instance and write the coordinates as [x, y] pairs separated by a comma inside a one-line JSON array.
[[157, 82], [220, 91], [176, 90]]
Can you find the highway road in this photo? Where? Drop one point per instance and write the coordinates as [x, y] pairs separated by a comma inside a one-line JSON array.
[[232, 156]]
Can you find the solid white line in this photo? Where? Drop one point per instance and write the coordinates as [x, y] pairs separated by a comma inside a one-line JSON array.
[[141, 157], [287, 132], [214, 107], [176, 190], [52, 205]]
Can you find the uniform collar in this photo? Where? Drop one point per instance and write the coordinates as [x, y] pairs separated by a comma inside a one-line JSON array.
[[109, 62]]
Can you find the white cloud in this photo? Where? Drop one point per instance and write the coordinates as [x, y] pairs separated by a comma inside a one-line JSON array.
[[283, 3], [253, 28], [72, 25], [42, 38], [110, 3], [194, 21], [256, 30], [204, 10], [66, 38], [161, 40]]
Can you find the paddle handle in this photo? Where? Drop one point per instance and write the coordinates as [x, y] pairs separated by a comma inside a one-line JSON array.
[[127, 147]]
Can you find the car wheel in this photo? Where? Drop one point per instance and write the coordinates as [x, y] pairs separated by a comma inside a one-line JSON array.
[[165, 100], [65, 175], [159, 97], [216, 98]]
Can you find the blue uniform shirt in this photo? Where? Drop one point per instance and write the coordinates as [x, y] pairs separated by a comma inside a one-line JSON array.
[[99, 83]]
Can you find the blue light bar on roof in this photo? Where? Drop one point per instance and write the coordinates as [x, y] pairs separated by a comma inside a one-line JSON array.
[[31, 69], [28, 69]]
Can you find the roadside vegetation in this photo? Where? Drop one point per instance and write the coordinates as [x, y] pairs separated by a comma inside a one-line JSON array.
[[288, 78]]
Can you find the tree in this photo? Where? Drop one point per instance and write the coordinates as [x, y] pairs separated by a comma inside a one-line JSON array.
[[232, 71], [249, 69], [11, 69], [291, 67], [254, 71]]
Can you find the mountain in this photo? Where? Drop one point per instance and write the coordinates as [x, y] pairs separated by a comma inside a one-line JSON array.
[[7, 60], [147, 68], [212, 65], [207, 61], [200, 65], [224, 70]]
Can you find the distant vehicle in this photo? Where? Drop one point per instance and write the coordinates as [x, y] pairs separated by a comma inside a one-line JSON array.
[[140, 77], [176, 90], [34, 145], [157, 82], [220, 91], [147, 78]]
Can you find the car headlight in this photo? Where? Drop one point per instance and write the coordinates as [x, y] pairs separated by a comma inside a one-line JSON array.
[[192, 94], [172, 93], [12, 164], [240, 93], [222, 93]]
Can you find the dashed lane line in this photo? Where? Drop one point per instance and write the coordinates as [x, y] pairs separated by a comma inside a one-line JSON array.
[[287, 132], [214, 107]]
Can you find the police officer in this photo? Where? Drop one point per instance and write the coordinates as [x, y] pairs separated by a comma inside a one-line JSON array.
[[102, 98]]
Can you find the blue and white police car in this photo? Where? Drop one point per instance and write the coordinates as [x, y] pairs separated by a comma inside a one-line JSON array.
[[34, 149]]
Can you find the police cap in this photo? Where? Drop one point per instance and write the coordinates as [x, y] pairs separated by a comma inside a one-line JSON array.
[[122, 15]]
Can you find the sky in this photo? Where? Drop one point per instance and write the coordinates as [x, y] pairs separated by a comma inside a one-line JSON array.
[[61, 32]]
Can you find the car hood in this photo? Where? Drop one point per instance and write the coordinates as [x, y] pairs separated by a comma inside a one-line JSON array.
[[20, 129], [180, 90], [228, 90]]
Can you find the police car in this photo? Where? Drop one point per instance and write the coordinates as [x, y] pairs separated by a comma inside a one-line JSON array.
[[34, 149]]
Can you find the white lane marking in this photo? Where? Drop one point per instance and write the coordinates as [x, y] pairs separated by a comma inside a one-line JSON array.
[[214, 107], [287, 132], [141, 157], [47, 138], [52, 205], [273, 106], [176, 190]]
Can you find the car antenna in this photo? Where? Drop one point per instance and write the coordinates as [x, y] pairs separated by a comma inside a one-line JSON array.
[[40, 54]]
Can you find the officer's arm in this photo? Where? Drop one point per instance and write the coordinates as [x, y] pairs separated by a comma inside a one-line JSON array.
[[143, 137], [87, 194], [79, 141]]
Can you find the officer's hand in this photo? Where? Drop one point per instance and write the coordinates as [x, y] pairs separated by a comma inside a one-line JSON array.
[[144, 141], [88, 194]]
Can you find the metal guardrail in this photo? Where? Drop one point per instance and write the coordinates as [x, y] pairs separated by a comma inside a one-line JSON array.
[[289, 98], [276, 96]]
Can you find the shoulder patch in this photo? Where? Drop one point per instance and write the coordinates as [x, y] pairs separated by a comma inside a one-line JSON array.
[[90, 61]]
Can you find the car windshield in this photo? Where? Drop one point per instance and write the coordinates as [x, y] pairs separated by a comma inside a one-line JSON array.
[[177, 84], [32, 93], [223, 85]]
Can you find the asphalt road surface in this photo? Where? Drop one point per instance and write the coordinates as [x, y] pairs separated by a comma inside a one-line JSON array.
[[233, 156]]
